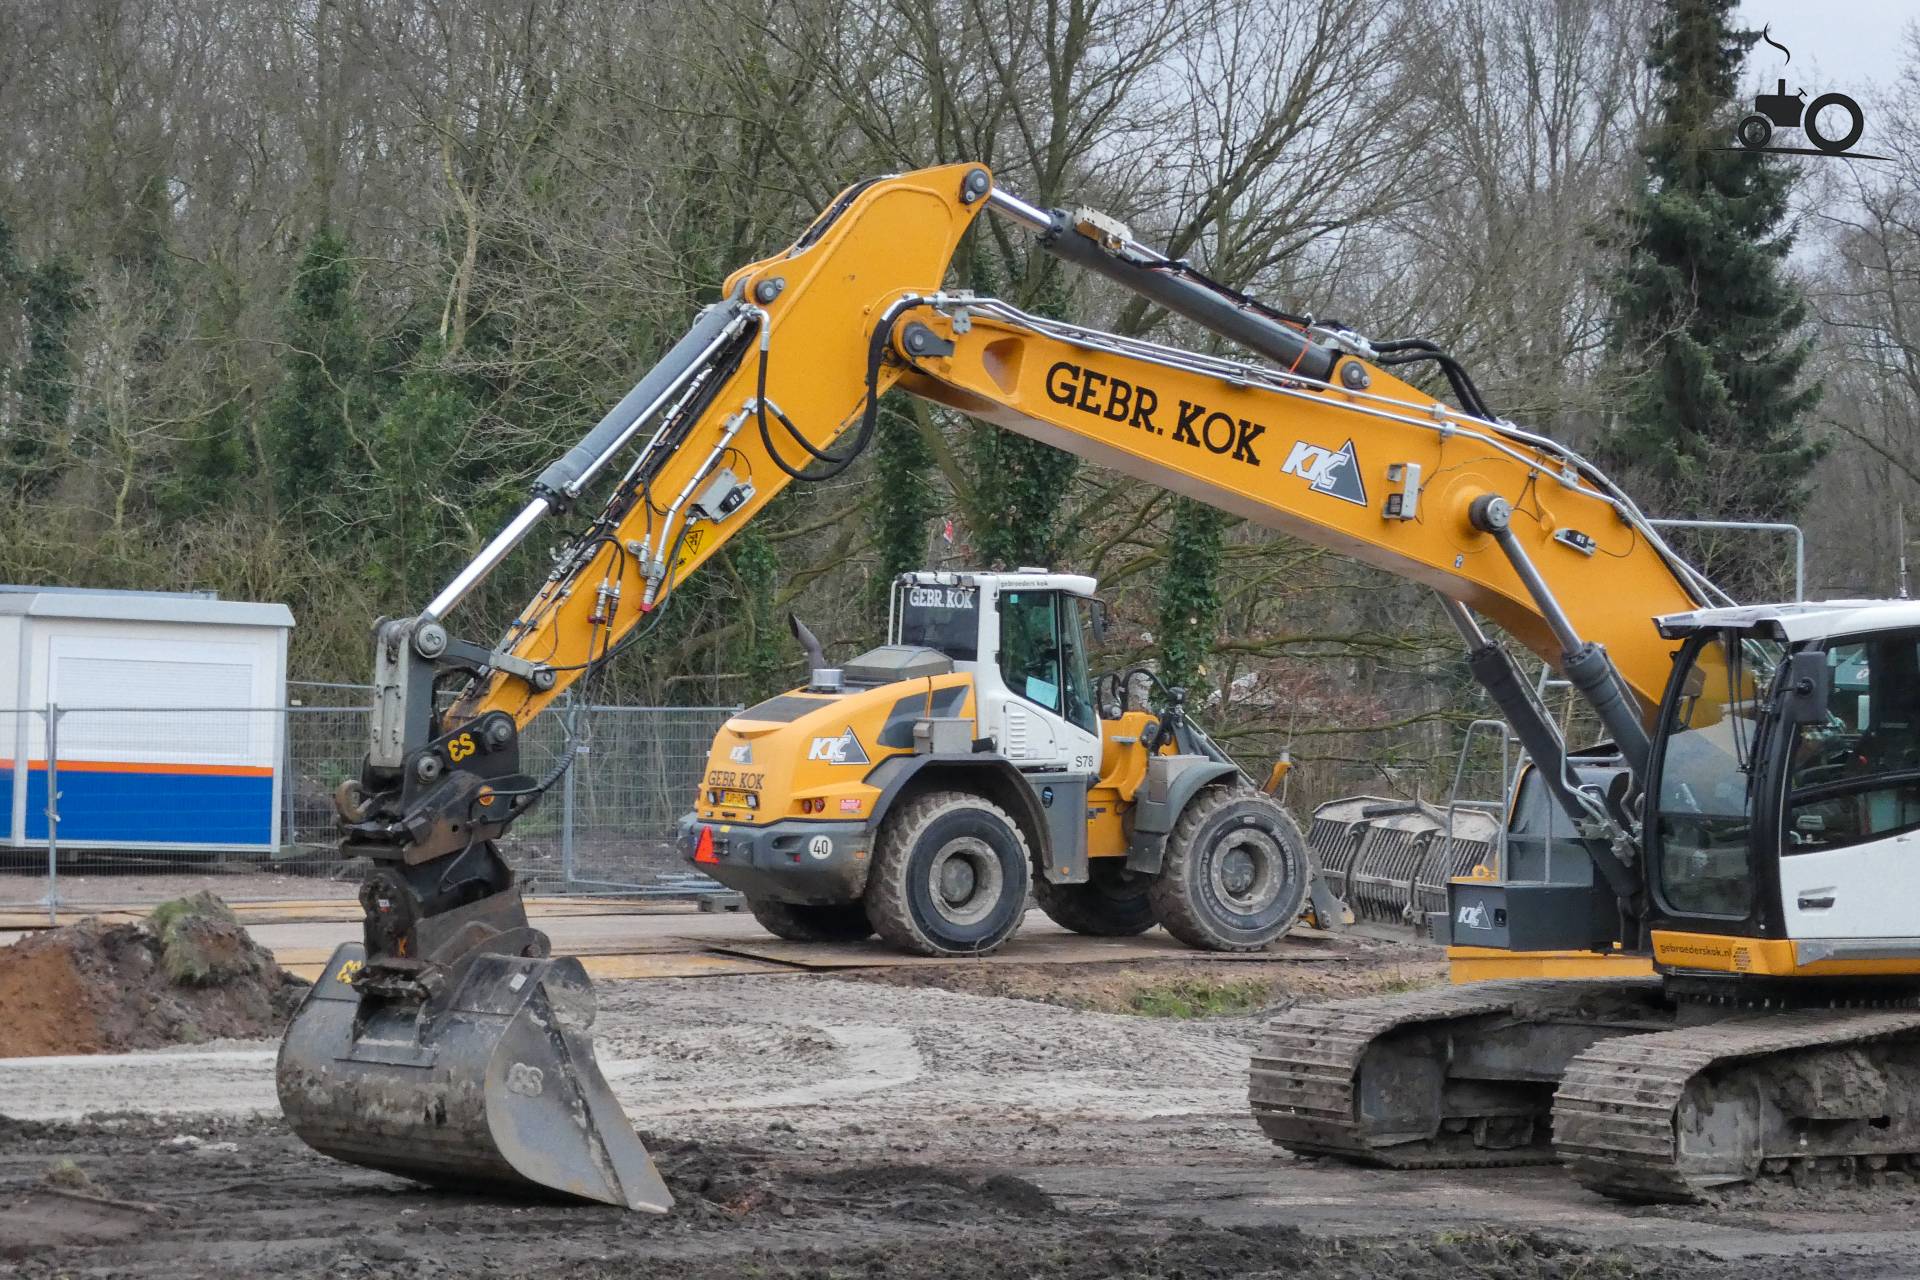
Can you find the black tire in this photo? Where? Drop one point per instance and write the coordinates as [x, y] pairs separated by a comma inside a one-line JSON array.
[[950, 876], [1810, 123], [1754, 132], [1235, 873], [1113, 903], [833, 922]]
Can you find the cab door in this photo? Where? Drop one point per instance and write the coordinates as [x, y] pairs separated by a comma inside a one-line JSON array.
[[1850, 845], [1046, 717], [1037, 697]]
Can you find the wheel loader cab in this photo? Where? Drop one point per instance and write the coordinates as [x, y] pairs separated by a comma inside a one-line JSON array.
[[1023, 638]]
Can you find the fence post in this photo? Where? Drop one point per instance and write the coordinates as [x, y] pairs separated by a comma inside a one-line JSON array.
[[53, 813], [567, 793]]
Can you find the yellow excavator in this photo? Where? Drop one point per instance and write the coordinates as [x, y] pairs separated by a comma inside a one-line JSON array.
[[1709, 919]]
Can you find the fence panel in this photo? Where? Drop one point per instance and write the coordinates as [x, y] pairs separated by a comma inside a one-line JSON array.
[[150, 803], [25, 880]]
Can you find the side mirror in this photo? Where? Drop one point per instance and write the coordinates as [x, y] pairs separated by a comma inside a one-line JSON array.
[[1803, 697], [1097, 620]]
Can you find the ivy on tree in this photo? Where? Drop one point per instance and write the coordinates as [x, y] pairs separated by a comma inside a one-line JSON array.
[[326, 395], [904, 499], [1020, 486], [1190, 592]]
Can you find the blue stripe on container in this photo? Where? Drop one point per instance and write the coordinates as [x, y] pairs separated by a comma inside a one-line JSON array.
[[187, 809]]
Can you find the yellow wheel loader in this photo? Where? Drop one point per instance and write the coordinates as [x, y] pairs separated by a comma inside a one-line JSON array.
[[922, 789], [1717, 907]]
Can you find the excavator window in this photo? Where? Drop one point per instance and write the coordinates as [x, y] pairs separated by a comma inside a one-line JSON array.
[[1705, 770], [1856, 775]]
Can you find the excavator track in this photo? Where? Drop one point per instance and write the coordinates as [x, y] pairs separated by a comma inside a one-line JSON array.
[[1308, 1091], [1671, 1115]]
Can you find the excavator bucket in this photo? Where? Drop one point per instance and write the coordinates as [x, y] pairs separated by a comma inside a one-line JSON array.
[[489, 1082]]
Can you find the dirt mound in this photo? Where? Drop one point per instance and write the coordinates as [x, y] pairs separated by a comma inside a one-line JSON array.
[[187, 973]]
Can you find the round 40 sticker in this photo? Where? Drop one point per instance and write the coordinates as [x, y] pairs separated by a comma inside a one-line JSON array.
[[820, 847]]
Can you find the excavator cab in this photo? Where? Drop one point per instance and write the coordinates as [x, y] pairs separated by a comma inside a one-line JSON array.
[[1785, 793]]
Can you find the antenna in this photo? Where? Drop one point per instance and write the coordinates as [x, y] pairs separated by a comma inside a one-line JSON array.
[[1900, 532]]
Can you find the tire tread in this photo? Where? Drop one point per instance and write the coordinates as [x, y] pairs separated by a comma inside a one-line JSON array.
[[889, 909]]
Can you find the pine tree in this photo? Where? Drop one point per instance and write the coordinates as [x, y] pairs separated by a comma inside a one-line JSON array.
[[1705, 319]]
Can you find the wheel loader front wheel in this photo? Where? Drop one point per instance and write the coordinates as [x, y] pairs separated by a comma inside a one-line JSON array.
[[950, 876], [1235, 872], [834, 922]]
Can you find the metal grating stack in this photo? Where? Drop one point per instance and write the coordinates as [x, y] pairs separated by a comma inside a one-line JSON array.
[[1390, 860]]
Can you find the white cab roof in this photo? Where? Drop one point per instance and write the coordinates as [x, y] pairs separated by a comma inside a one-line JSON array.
[[140, 606], [1078, 584], [1808, 620]]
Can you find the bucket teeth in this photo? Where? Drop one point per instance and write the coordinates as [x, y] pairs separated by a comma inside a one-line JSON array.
[[491, 1082]]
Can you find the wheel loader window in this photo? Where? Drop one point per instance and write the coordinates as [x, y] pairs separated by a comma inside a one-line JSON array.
[[1075, 616], [945, 619], [1030, 646], [1856, 775]]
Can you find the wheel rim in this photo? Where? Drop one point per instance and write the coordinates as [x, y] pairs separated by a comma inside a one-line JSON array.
[[1248, 872], [965, 880]]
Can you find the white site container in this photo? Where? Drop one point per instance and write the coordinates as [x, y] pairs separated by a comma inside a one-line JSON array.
[[171, 731]]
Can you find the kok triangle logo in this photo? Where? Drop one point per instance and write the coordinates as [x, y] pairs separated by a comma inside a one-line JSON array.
[[1335, 472], [843, 748]]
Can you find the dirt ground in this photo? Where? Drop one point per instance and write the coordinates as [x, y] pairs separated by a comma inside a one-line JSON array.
[[1196, 988], [820, 1127]]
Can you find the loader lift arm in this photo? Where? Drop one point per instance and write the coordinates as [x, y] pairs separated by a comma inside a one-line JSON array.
[[1315, 436]]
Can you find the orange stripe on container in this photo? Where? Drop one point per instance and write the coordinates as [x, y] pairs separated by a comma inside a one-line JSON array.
[[142, 766]]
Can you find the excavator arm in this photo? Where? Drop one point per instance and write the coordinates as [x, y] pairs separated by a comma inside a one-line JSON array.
[[1310, 433]]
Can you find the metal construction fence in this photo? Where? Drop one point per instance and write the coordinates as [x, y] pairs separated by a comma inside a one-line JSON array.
[[132, 804]]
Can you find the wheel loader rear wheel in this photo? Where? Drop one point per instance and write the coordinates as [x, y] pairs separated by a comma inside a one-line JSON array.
[[1235, 872], [950, 876], [832, 922], [1113, 903]]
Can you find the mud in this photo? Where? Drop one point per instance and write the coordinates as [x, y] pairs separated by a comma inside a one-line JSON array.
[[825, 1128], [188, 974], [246, 1198]]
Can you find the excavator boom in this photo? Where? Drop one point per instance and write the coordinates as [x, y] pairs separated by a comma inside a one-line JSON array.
[[448, 1045]]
